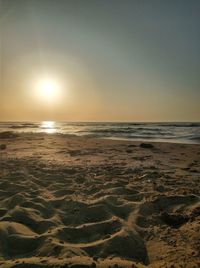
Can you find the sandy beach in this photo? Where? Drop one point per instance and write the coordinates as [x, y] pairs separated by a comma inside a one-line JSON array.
[[70, 201]]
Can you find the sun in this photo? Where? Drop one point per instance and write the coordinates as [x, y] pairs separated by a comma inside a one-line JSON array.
[[48, 90]]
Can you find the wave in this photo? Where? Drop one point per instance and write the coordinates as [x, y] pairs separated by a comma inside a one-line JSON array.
[[195, 138], [178, 132], [181, 124], [27, 126]]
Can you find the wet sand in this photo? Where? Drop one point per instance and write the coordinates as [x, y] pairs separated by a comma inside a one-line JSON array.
[[68, 201]]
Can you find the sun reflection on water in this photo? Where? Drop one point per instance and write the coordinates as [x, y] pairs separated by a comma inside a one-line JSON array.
[[48, 126]]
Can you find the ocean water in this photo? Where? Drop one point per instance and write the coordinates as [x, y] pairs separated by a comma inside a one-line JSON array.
[[164, 132]]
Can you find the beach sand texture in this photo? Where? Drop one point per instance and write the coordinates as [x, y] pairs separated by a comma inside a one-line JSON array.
[[70, 201]]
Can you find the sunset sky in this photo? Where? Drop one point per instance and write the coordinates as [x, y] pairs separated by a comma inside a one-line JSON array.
[[100, 60]]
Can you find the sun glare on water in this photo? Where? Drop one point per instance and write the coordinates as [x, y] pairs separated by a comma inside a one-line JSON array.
[[48, 126]]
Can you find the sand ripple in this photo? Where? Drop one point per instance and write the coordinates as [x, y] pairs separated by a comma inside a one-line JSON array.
[[96, 212]]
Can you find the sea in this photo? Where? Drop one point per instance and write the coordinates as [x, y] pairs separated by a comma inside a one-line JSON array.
[[134, 131]]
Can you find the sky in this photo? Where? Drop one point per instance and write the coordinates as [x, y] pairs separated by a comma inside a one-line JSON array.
[[100, 60]]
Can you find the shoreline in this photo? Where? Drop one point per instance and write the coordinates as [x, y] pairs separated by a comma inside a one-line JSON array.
[[129, 140], [148, 132]]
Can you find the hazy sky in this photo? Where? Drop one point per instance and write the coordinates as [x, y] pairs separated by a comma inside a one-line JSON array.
[[112, 60]]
